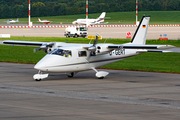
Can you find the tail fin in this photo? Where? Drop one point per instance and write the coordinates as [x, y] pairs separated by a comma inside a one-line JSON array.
[[101, 17], [39, 20], [17, 20], [141, 32]]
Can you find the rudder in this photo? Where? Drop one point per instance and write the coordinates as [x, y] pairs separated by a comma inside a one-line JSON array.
[[141, 31]]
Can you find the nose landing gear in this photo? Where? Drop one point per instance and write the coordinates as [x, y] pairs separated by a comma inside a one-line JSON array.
[[40, 76]]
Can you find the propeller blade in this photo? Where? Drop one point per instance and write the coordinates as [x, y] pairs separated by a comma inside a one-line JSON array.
[[36, 49], [95, 41], [92, 48]]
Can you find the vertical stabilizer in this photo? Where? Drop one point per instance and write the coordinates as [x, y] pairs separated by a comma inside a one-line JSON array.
[[102, 16], [39, 19], [141, 31]]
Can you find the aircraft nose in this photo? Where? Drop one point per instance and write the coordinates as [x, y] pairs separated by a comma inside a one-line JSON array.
[[40, 66], [43, 64]]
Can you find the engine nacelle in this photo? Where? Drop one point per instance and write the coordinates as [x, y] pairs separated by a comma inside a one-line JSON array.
[[101, 50]]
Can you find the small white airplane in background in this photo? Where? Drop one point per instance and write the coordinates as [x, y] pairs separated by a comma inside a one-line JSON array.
[[72, 58], [99, 20], [44, 21], [12, 21]]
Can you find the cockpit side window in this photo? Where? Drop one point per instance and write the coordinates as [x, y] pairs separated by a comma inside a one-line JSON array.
[[61, 52], [82, 53]]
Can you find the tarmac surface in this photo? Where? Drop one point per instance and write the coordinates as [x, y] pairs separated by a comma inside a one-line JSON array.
[[105, 32], [122, 95]]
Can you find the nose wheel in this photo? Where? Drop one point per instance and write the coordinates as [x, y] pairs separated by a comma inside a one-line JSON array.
[[40, 76]]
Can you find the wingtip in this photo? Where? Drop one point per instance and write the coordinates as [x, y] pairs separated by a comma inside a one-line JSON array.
[[165, 47]]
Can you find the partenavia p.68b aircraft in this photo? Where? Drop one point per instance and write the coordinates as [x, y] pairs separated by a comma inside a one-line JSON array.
[[71, 58]]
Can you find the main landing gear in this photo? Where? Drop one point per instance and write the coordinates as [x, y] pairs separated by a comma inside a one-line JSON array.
[[71, 74], [40, 76], [100, 74]]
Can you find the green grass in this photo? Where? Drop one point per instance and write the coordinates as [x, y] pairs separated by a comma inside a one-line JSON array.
[[154, 62], [19, 54], [157, 17]]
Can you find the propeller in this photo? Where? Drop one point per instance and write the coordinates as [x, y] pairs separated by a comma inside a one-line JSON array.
[[93, 47], [44, 47]]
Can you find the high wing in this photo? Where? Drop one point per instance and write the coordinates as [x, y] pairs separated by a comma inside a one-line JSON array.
[[101, 49], [131, 46], [45, 46], [24, 42], [142, 48]]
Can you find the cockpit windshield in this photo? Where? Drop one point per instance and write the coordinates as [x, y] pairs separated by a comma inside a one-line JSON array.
[[61, 52]]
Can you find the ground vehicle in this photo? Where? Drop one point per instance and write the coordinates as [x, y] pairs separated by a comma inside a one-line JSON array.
[[75, 32]]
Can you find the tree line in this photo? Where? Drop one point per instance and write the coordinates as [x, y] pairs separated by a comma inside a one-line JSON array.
[[39, 8]]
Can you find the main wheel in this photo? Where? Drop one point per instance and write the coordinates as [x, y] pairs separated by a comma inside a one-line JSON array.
[[70, 75]]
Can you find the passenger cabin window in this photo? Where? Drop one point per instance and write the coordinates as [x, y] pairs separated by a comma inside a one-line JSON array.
[[61, 52], [82, 53]]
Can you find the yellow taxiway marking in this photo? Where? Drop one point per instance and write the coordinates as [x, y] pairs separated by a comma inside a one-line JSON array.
[[21, 29], [60, 28]]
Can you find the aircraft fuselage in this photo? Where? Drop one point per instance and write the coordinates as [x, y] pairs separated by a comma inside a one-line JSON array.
[[75, 59]]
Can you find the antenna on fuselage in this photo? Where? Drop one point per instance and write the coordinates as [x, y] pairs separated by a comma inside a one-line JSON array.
[[105, 40], [90, 41]]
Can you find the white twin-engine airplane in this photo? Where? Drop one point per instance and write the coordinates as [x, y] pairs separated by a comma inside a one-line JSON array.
[[72, 58], [99, 20]]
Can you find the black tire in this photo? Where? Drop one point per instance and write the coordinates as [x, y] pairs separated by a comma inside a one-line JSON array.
[[37, 79], [70, 76]]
